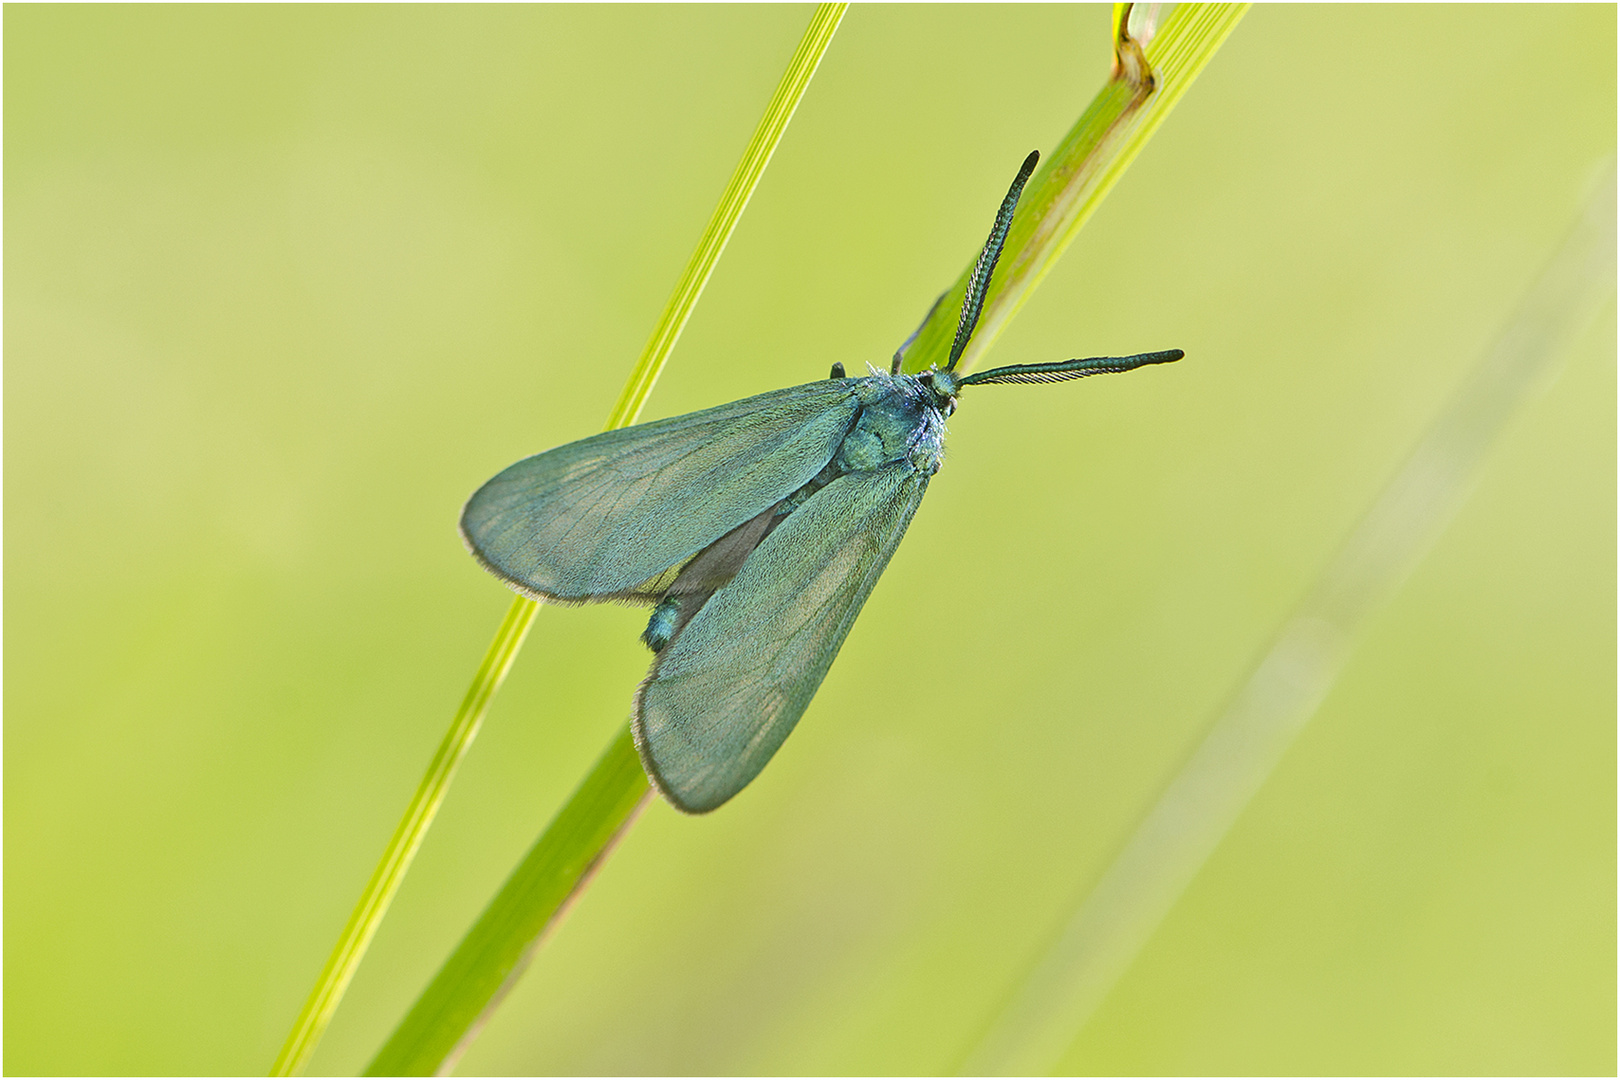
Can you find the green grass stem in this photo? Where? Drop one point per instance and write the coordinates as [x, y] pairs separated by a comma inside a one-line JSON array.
[[795, 80], [533, 901], [402, 846], [390, 872], [495, 951], [424, 805], [1152, 69]]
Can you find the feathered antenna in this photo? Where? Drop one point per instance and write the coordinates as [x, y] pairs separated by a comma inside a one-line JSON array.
[[1064, 370], [979, 280]]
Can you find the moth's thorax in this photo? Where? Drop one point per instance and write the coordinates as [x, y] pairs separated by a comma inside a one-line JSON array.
[[900, 420]]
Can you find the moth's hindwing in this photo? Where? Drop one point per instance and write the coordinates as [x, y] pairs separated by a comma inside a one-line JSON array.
[[728, 690]]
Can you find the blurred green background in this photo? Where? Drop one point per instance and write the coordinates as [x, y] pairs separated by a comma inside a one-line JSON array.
[[283, 285]]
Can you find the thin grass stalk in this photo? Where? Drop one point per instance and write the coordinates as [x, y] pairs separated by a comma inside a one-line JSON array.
[[453, 1008], [1152, 69], [795, 80], [484, 967], [1110, 926], [529, 905], [402, 846], [424, 805]]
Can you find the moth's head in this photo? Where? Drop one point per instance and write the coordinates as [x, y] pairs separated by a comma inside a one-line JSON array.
[[942, 385]]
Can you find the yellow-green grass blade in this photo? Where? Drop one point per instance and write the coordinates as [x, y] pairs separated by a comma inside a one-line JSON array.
[[489, 960], [402, 846], [1152, 69], [795, 80], [499, 945]]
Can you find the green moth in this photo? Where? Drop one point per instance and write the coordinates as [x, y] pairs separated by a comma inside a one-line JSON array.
[[756, 530]]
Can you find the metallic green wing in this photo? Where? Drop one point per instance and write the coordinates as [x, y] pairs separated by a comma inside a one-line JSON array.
[[728, 689], [595, 519]]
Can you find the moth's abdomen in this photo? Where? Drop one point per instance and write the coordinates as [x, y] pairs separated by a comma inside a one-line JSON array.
[[663, 624]]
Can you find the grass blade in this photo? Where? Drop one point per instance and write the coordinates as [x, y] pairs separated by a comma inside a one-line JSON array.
[[402, 846], [1108, 135], [1201, 804], [795, 80], [559, 865], [534, 899], [424, 805], [1153, 67]]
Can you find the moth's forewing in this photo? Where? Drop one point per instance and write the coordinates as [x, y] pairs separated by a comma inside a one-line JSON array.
[[726, 692], [599, 517]]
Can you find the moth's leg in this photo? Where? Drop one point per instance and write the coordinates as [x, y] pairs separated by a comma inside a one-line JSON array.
[[900, 353]]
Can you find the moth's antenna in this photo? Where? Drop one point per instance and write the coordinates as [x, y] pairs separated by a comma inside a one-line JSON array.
[[979, 280], [1070, 369]]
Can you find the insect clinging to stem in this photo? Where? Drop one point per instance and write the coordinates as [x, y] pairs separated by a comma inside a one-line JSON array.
[[755, 529]]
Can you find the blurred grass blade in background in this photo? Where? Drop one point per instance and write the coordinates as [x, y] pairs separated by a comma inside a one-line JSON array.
[[484, 965], [1122, 912], [402, 847]]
